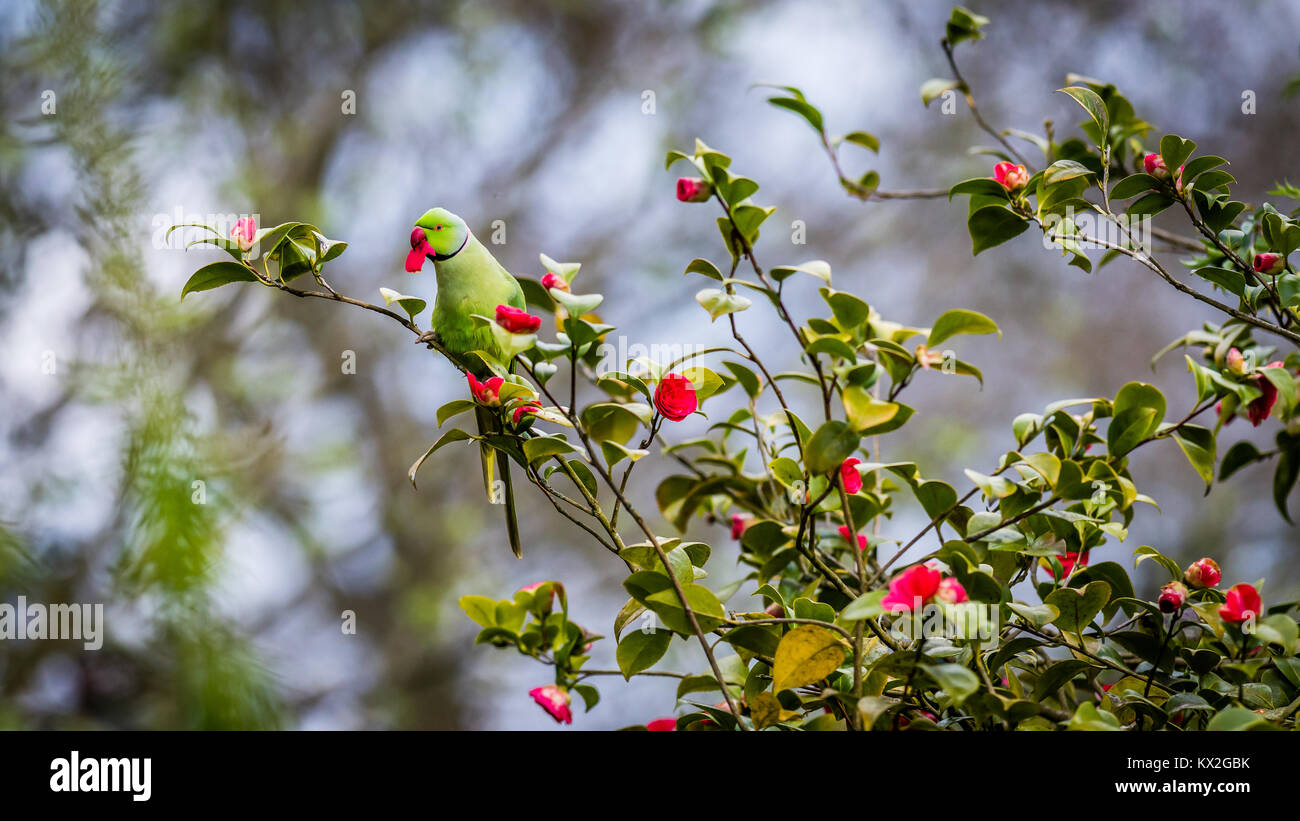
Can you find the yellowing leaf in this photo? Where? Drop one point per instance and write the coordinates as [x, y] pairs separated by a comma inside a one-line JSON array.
[[806, 654]]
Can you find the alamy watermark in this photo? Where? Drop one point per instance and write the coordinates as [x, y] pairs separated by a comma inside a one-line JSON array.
[[67, 622]]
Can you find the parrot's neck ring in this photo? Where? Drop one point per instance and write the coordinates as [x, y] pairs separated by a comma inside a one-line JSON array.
[[444, 257]]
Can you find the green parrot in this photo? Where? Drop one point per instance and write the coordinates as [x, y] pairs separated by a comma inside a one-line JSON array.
[[470, 281]]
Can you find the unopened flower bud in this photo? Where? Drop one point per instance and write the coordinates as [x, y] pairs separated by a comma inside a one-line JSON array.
[[693, 189], [1010, 176], [1172, 597], [1203, 573], [1155, 166], [1269, 263]]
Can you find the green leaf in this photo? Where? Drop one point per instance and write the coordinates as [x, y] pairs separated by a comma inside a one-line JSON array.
[[1092, 103], [833, 442], [1237, 719], [413, 305], [1174, 150], [481, 609], [454, 408], [641, 650], [934, 88], [1133, 185], [453, 435], [863, 410], [952, 323], [1063, 170], [720, 303], [1035, 614], [1138, 410], [805, 655], [862, 138], [817, 267], [216, 274], [708, 610], [1078, 607], [866, 606], [1089, 718], [1198, 446], [577, 304], [703, 266], [1238, 456], [544, 447], [993, 225], [801, 107], [1055, 677], [955, 680]]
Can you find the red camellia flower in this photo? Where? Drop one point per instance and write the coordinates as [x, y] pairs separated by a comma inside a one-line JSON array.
[[1243, 603], [522, 410], [849, 476], [675, 397], [554, 700], [1203, 573], [738, 524], [244, 232], [1155, 166], [517, 321], [1172, 597], [552, 281], [1010, 176], [693, 189], [1068, 562], [862, 537], [913, 587], [951, 591], [1269, 263], [662, 724], [1260, 407], [486, 393]]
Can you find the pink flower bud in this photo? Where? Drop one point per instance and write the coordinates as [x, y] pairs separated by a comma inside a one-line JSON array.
[[1010, 176], [1236, 362], [517, 321], [522, 410], [926, 358], [951, 591], [738, 524], [775, 610], [1203, 573], [862, 537], [554, 700], [1172, 597], [243, 233], [850, 479], [662, 725], [693, 189], [1269, 263], [1242, 604], [550, 281], [1155, 166]]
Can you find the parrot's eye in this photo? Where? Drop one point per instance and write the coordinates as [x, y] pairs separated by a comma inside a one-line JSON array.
[[438, 228]]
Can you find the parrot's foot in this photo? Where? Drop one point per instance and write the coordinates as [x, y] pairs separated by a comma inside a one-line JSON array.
[[429, 338]]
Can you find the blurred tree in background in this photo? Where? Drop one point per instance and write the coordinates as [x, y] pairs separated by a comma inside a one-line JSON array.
[[226, 613]]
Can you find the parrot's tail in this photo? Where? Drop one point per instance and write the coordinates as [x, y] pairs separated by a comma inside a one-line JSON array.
[[496, 477]]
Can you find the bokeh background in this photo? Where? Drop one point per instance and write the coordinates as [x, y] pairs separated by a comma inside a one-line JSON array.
[[227, 614]]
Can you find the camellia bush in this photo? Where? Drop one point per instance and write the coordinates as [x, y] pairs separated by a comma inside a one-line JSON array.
[[1014, 608]]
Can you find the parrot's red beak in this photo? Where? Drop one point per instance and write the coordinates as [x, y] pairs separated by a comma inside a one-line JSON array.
[[420, 249]]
